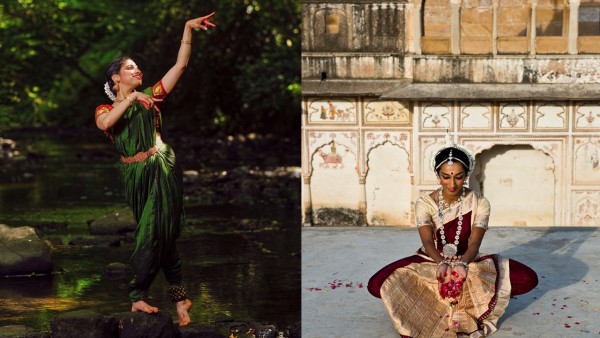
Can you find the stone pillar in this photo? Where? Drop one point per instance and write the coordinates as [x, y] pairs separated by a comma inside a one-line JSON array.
[[362, 203], [495, 27], [417, 33], [573, 26], [533, 30], [306, 202], [455, 26]]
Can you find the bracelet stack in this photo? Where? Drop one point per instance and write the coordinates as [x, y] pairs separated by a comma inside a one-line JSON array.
[[464, 264], [454, 263]]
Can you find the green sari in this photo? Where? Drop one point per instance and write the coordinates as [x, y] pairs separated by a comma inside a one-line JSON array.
[[153, 188]]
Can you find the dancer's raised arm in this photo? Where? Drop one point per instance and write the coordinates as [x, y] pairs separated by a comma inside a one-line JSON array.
[[172, 76]]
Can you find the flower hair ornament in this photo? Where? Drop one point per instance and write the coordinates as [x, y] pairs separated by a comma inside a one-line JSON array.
[[109, 92], [455, 155]]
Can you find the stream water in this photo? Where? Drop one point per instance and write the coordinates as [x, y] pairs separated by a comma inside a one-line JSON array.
[[231, 270]]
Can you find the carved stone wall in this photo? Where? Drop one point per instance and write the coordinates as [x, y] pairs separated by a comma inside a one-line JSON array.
[[384, 80], [538, 161]]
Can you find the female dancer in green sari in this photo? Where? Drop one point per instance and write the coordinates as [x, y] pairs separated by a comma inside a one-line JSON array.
[[152, 177]]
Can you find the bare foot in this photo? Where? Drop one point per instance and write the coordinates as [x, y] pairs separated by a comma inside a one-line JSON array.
[[182, 311], [142, 306]]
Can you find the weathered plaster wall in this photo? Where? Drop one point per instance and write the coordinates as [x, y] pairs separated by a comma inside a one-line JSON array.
[[367, 140], [388, 181], [538, 161], [355, 66], [353, 39], [434, 69], [353, 26], [519, 182]]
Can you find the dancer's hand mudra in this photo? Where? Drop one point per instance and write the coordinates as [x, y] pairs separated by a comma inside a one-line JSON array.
[[202, 22]]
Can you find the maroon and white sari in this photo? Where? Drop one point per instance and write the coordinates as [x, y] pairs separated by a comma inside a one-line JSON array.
[[409, 288]]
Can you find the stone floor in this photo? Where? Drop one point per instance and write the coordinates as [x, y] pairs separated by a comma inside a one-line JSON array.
[[566, 303]]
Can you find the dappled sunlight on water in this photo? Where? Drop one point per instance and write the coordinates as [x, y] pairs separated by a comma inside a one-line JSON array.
[[25, 304]]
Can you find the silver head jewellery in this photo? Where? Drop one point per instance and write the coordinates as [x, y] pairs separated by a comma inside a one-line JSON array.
[[449, 250], [451, 158]]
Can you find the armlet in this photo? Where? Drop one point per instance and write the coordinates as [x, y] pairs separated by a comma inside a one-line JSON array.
[[481, 225], [158, 91], [102, 109], [420, 224]]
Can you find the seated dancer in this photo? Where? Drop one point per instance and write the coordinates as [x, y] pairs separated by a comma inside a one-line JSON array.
[[451, 222], [149, 171]]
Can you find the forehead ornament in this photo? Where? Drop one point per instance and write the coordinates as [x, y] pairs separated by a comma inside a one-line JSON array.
[[451, 158]]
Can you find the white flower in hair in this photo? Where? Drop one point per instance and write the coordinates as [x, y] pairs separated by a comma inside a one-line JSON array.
[[109, 92]]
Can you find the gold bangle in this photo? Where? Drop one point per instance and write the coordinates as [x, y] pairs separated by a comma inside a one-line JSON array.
[[186, 42], [129, 99]]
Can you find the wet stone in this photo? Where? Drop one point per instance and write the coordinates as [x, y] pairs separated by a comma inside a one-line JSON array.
[[265, 331], [83, 324], [117, 222], [117, 270], [200, 331], [22, 252], [138, 324], [7, 148], [21, 331]]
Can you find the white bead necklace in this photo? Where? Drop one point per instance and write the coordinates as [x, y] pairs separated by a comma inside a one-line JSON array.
[[449, 250]]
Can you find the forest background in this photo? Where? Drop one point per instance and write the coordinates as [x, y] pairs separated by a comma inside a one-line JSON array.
[[233, 120], [243, 75]]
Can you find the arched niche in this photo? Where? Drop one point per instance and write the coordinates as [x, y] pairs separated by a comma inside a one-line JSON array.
[[334, 185], [388, 185], [519, 181]]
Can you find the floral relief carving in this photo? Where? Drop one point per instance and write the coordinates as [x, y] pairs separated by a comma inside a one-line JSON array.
[[587, 161], [587, 208], [587, 116], [513, 116], [386, 112], [436, 116]]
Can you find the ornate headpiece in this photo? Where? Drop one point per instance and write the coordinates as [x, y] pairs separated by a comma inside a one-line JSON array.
[[452, 152]]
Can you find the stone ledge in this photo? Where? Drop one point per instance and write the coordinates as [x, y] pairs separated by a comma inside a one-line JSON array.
[[349, 87], [479, 91]]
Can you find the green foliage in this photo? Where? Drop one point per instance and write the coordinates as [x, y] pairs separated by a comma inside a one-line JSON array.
[[243, 75]]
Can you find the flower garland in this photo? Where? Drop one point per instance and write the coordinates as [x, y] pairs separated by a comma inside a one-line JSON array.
[[109, 92]]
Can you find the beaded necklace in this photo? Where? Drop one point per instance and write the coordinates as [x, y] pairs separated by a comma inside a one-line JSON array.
[[449, 250]]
